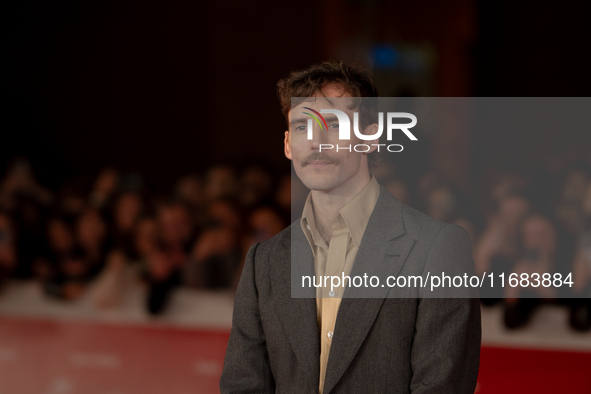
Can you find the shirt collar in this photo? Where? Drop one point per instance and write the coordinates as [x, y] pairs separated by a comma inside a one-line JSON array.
[[309, 225], [358, 211], [355, 214]]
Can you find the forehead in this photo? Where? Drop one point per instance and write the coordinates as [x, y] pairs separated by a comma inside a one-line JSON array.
[[333, 96]]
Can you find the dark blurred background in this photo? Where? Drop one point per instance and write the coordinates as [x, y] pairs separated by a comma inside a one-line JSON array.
[[149, 87], [142, 142]]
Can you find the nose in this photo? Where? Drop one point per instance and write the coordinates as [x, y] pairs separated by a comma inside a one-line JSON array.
[[319, 136]]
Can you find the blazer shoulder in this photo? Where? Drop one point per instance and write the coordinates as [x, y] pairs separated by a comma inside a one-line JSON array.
[[420, 225], [279, 242], [423, 227]]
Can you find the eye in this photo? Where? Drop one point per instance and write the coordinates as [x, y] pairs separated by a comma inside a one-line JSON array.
[[333, 126], [300, 128]]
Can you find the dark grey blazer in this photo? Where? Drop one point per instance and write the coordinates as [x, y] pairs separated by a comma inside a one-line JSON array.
[[411, 344]]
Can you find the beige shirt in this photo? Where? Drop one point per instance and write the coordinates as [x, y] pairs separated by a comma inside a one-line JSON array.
[[336, 258]]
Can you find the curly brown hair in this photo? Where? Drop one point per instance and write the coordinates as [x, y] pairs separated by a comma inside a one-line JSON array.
[[356, 81]]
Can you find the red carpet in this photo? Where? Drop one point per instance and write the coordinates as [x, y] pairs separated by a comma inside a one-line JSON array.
[[66, 357], [507, 371], [69, 357]]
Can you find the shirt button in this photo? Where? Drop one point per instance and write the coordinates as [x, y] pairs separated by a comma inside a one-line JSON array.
[[331, 293], [308, 226], [330, 334]]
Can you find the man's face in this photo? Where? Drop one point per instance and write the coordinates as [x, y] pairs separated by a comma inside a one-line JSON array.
[[326, 169]]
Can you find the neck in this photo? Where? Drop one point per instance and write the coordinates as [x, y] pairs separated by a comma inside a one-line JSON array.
[[328, 203]]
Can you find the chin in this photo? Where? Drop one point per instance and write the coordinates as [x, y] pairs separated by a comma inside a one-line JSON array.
[[320, 182]]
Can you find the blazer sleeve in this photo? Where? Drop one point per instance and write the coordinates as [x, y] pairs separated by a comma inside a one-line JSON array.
[[445, 352], [246, 365]]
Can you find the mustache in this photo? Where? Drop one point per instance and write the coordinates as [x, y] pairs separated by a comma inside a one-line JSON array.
[[319, 156]]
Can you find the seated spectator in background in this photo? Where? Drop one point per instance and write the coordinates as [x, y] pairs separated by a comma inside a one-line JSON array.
[[128, 207], [129, 256], [263, 223], [74, 274], [71, 200], [580, 306], [176, 231], [162, 278], [441, 203], [507, 184], [446, 204], [220, 181], [28, 217], [90, 234], [75, 255], [123, 269], [225, 212], [60, 245], [105, 187], [255, 186], [498, 247], [214, 258], [166, 262], [145, 237], [20, 181], [569, 209], [215, 255], [26, 202], [60, 237], [538, 256], [189, 191]]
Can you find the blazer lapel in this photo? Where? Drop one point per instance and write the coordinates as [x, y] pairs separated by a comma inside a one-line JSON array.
[[383, 250], [297, 307]]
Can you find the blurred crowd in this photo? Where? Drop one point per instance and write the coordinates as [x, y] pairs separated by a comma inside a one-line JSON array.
[[533, 224], [99, 236]]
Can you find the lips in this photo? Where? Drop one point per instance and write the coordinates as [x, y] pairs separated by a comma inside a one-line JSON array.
[[319, 163]]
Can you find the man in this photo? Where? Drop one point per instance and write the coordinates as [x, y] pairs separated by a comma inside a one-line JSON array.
[[345, 341]]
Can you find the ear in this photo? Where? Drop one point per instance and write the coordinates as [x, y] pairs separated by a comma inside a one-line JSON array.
[[287, 145], [371, 130]]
